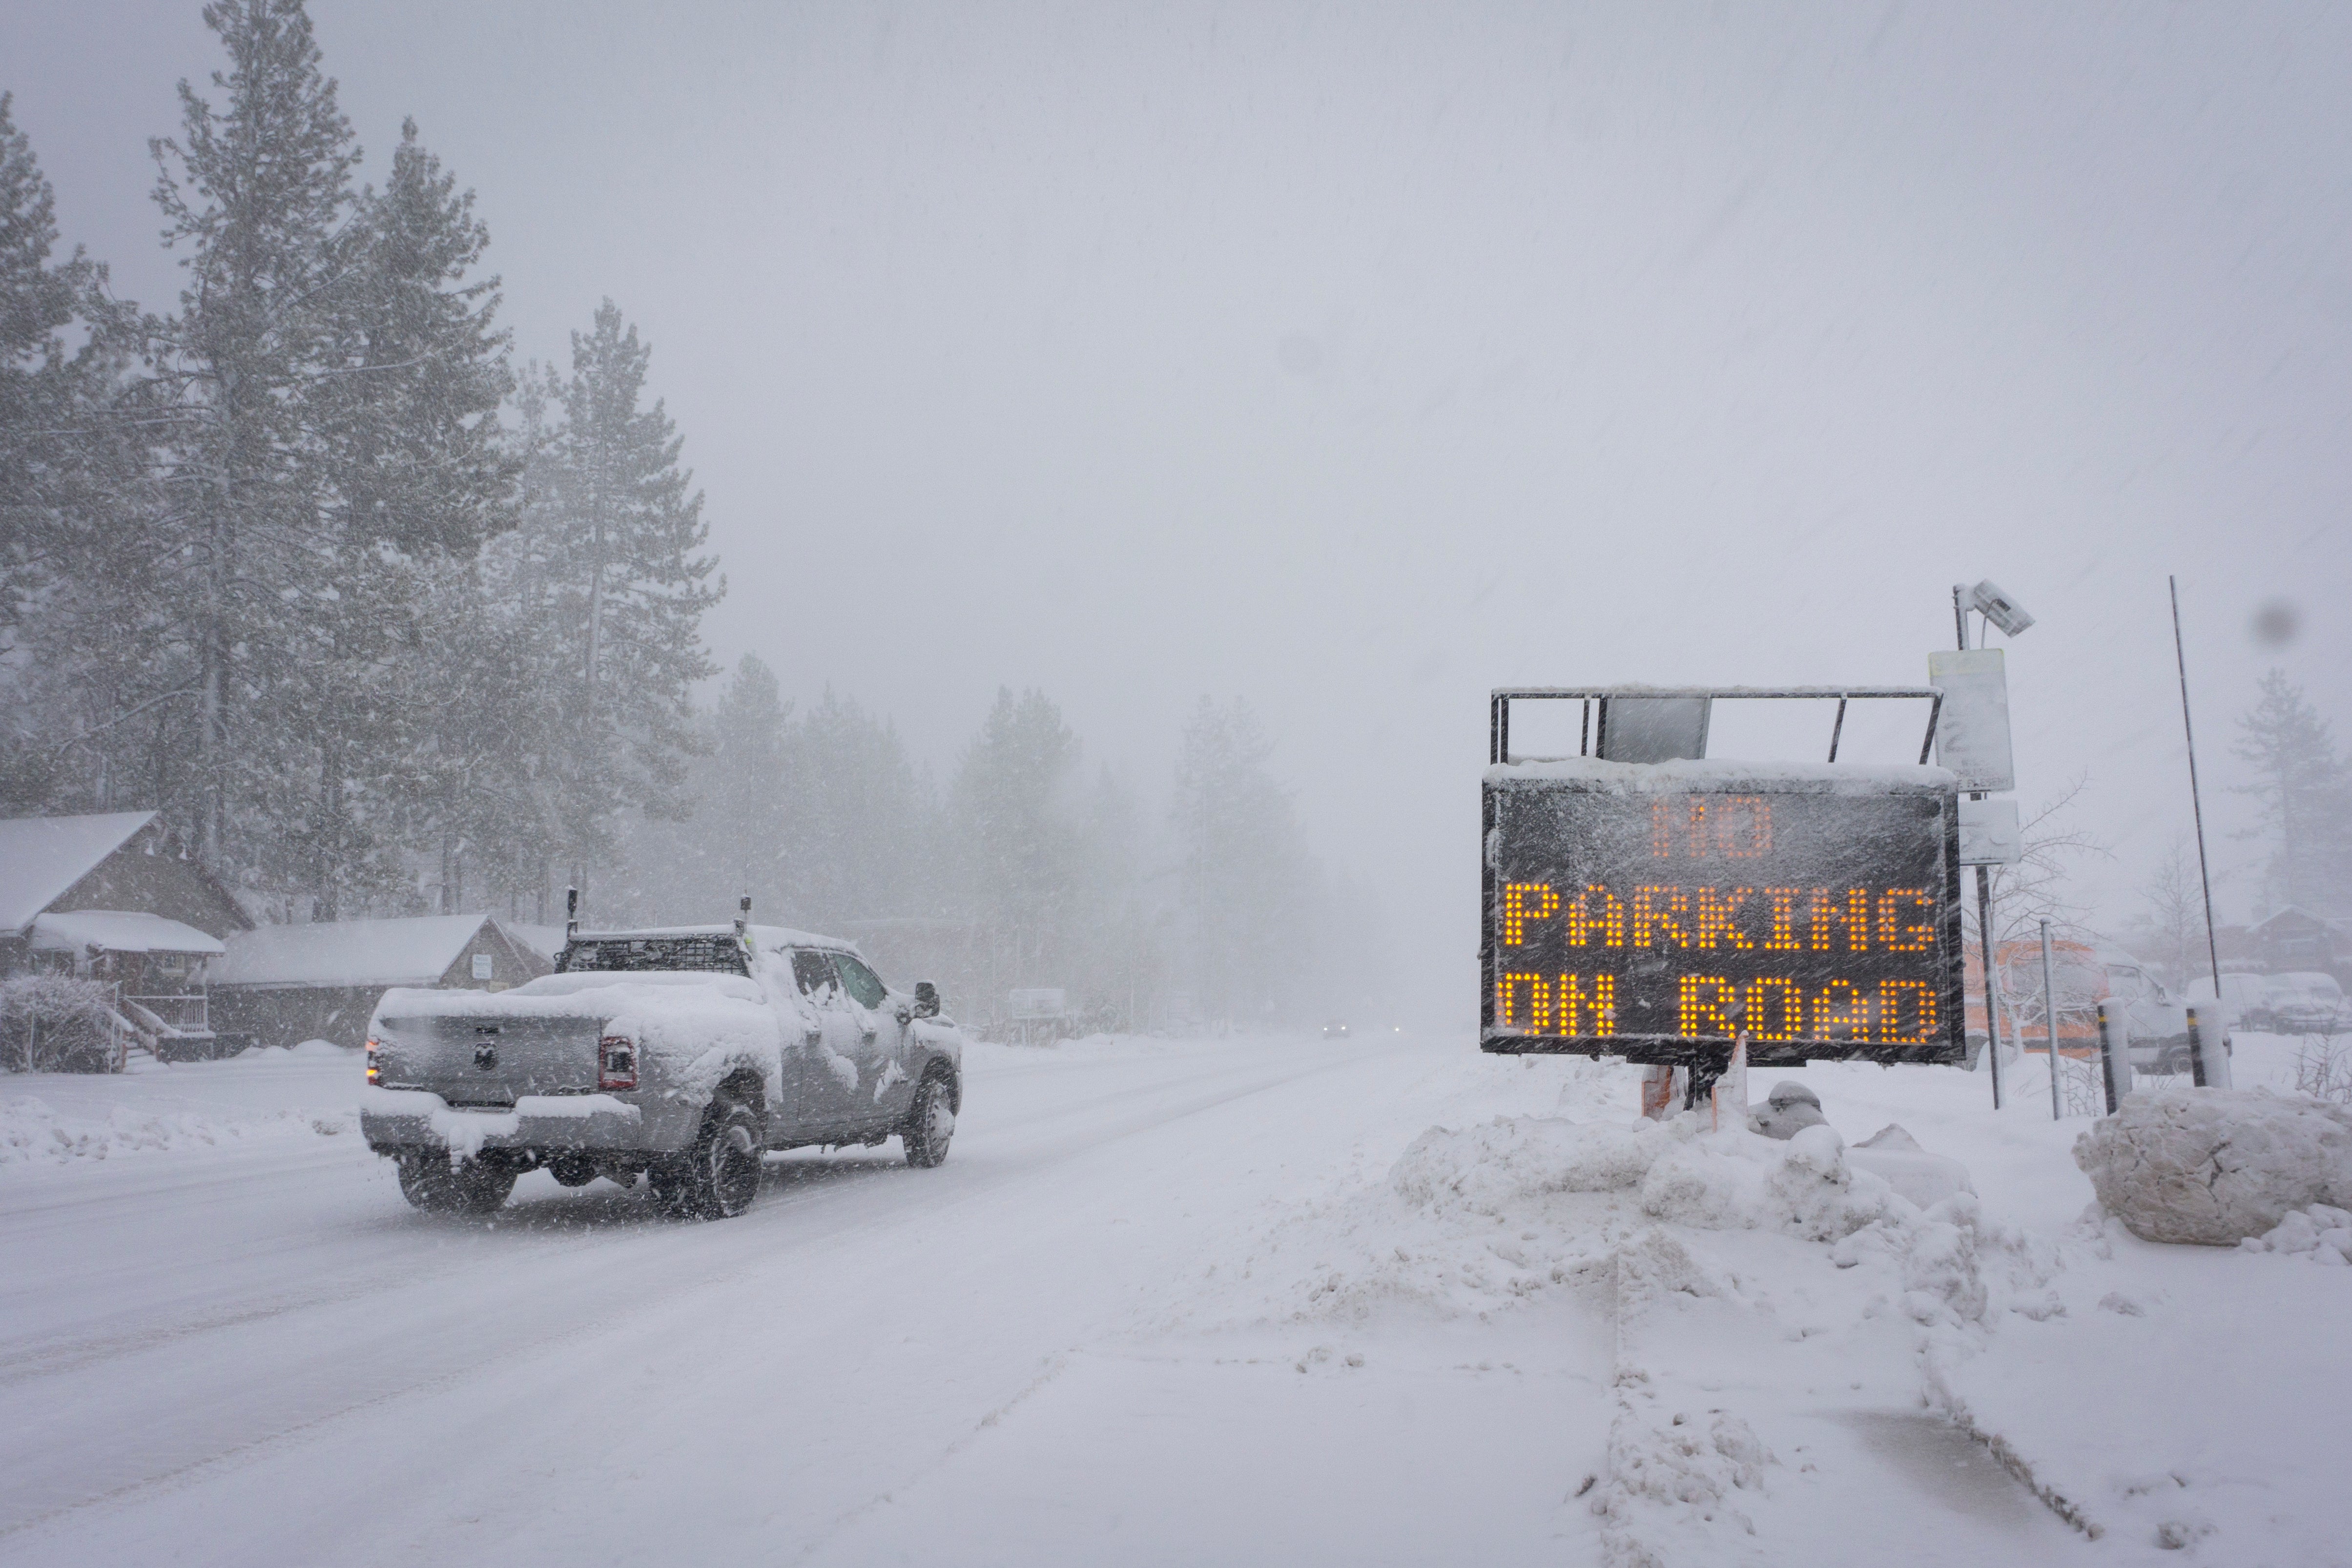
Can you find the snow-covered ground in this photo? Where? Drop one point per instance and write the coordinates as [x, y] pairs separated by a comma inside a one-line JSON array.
[[1259, 1300]]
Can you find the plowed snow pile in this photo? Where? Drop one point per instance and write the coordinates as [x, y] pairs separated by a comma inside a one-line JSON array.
[[1799, 1349]]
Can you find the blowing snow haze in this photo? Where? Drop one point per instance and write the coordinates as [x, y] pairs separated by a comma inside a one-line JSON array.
[[1350, 364]]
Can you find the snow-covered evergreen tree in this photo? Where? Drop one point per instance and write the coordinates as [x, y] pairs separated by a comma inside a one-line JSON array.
[[1246, 882], [254, 193], [1015, 837], [617, 582], [2306, 793]]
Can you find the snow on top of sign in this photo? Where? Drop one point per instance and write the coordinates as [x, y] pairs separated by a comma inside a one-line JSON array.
[[42, 857], [409, 952], [1717, 772], [120, 930]]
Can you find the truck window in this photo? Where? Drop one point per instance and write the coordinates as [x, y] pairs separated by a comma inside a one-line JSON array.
[[813, 972], [863, 983]]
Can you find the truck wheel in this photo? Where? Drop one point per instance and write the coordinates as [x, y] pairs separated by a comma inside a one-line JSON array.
[[720, 1176], [573, 1170], [930, 1124], [427, 1182]]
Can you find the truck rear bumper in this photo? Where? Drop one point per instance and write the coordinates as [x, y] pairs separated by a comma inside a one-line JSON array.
[[392, 1119]]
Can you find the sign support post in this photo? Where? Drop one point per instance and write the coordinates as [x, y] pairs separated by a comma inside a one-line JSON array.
[[2050, 1014], [1984, 899], [1991, 983]]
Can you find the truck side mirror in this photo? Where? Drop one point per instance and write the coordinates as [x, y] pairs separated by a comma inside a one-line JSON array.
[[927, 999]]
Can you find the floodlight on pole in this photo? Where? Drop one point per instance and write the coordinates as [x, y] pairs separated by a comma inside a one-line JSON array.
[[2003, 610]]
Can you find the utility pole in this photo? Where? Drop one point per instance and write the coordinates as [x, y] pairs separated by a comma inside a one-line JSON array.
[[2195, 801]]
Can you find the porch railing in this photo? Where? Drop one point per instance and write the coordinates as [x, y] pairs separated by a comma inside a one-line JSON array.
[[189, 1014]]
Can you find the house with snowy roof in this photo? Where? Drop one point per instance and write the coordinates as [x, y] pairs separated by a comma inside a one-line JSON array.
[[283, 984], [107, 898]]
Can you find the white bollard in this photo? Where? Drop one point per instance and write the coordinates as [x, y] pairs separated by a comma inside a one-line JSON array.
[[2209, 1056], [2115, 1050]]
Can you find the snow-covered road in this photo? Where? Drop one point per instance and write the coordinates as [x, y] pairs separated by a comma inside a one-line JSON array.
[[1241, 1301], [262, 1355]]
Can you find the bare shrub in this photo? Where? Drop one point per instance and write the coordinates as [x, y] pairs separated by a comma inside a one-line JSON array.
[[50, 1023], [2323, 1068], [2083, 1085]]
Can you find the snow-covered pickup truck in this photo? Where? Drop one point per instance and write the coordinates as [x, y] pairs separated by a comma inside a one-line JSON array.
[[679, 1054]]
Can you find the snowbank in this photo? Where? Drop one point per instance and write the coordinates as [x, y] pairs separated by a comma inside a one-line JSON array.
[[2322, 1233], [33, 1135], [2213, 1167]]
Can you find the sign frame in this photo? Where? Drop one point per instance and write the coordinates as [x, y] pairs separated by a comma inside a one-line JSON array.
[[1699, 781]]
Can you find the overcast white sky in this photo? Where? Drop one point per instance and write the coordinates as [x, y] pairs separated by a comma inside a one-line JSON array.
[[1358, 359]]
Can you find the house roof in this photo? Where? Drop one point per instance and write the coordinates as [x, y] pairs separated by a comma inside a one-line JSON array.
[[120, 930], [412, 951], [2292, 916], [42, 857], [544, 941]]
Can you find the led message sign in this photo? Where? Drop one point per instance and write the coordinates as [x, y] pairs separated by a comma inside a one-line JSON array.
[[1645, 918]]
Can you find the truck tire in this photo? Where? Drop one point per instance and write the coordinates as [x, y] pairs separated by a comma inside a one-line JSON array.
[[720, 1176], [427, 1182], [930, 1124]]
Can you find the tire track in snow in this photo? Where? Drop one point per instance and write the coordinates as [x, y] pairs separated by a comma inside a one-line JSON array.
[[813, 1215]]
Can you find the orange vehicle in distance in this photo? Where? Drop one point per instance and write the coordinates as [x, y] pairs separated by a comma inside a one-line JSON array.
[[2083, 976]]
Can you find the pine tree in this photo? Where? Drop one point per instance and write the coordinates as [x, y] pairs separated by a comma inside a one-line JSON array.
[[1017, 840], [405, 411], [254, 193], [73, 482], [1246, 878], [37, 299], [2302, 789], [855, 821], [620, 540], [38, 399]]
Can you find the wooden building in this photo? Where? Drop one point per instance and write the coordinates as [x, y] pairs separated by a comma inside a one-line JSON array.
[[2296, 939], [106, 898], [287, 984]]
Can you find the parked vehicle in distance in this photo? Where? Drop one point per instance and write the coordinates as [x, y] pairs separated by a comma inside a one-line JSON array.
[[681, 1055], [2083, 976], [2304, 1002], [1337, 1029], [2241, 1001], [2159, 1023]]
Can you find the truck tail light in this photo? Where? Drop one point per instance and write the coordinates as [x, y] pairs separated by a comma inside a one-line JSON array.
[[374, 1069], [616, 1062]]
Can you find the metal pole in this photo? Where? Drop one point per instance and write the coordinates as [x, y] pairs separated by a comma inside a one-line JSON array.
[[1992, 986], [2195, 802], [2050, 1013], [1984, 896]]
